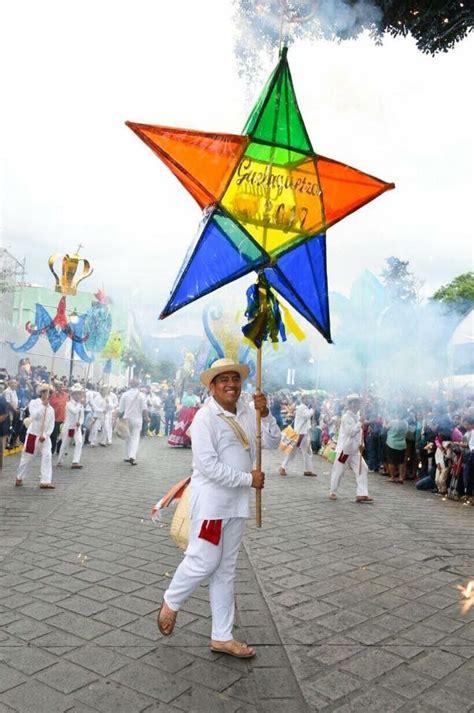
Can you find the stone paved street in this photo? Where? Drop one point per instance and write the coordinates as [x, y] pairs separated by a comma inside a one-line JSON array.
[[352, 607]]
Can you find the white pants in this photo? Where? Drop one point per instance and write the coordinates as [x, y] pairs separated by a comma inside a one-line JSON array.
[[132, 442], [108, 427], [43, 450], [97, 424], [353, 463], [66, 442], [306, 452], [203, 560]]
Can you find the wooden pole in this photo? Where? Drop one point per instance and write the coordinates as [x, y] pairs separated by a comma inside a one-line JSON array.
[[258, 492]]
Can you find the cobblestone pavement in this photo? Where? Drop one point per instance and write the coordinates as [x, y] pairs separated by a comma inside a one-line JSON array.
[[352, 607]]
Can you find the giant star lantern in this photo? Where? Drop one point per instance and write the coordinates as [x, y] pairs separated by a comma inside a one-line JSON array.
[[268, 199]]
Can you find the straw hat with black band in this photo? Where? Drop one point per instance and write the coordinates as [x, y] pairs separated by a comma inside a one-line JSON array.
[[223, 366], [44, 387]]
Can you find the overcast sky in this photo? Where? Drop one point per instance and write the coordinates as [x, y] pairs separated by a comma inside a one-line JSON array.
[[74, 173]]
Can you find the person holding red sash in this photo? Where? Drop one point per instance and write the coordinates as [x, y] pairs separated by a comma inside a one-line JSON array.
[[38, 438], [72, 428], [349, 451], [224, 451]]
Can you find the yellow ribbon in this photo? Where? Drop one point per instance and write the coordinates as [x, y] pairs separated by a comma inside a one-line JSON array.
[[291, 326]]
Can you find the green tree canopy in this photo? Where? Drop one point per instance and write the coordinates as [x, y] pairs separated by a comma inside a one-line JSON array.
[[457, 294]]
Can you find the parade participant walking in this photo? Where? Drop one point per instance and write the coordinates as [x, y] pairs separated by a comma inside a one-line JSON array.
[[58, 402], [303, 415], [154, 409], [38, 437], [90, 395], [100, 405], [112, 404], [11, 397], [349, 451], [224, 451], [132, 407], [72, 428]]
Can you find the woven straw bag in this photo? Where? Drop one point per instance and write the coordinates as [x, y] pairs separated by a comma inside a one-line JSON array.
[[180, 523], [122, 429]]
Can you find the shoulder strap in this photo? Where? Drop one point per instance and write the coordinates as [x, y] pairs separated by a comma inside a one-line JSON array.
[[237, 429]]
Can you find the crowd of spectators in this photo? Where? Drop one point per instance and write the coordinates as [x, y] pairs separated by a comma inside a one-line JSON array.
[[430, 442]]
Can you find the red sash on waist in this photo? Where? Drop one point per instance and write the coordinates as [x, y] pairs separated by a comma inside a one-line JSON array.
[[71, 432], [211, 531], [30, 444]]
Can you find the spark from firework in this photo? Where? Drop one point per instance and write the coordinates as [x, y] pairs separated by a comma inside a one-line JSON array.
[[467, 593]]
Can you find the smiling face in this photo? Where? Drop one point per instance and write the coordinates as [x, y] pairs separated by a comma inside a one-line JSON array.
[[226, 389]]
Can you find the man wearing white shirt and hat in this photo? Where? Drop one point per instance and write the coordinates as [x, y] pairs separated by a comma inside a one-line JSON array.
[[112, 403], [99, 406], [11, 397], [224, 449], [303, 415], [72, 427], [349, 451], [132, 407], [38, 437]]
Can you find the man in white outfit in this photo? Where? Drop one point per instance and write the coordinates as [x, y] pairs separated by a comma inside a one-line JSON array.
[[224, 450], [38, 438], [72, 428], [99, 406], [349, 451], [112, 403], [303, 415], [11, 397], [132, 406]]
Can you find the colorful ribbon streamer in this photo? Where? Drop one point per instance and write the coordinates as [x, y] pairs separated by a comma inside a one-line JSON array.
[[263, 312]]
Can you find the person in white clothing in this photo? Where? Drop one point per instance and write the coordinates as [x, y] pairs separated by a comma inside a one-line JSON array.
[[72, 428], [224, 449], [38, 437], [303, 415], [349, 451], [100, 406], [112, 403], [11, 397], [132, 406]]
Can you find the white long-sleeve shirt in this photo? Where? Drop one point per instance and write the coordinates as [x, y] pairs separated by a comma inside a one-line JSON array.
[[303, 416], [74, 414], [132, 405], [102, 405], [11, 397], [222, 479], [42, 424], [349, 438], [99, 406]]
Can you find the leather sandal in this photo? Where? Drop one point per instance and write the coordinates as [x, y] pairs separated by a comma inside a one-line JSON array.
[[282, 471], [18, 483], [166, 620], [47, 486], [364, 499], [238, 650], [310, 473]]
